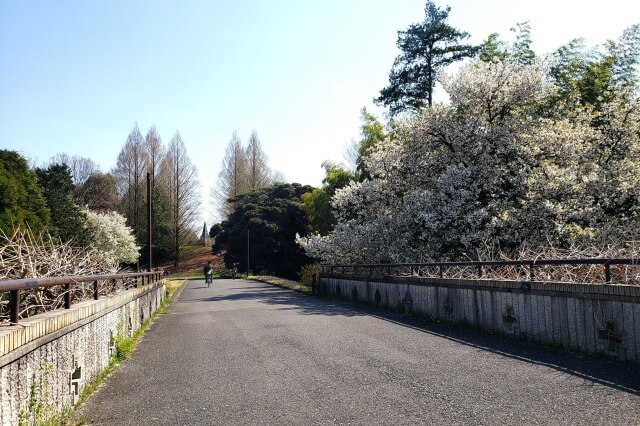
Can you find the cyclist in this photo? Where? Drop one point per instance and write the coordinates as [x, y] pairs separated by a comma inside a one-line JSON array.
[[208, 273], [234, 271]]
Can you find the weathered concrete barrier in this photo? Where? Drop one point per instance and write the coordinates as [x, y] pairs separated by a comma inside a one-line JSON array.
[[587, 317], [47, 360]]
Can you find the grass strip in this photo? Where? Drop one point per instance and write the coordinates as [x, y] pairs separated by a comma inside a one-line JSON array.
[[283, 283]]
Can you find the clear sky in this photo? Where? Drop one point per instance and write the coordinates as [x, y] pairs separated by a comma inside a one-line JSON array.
[[75, 76]]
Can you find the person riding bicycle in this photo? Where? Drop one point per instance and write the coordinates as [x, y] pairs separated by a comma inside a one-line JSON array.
[[208, 273], [234, 271]]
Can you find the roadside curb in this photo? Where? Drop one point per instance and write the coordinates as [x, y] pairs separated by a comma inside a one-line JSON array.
[[176, 294]]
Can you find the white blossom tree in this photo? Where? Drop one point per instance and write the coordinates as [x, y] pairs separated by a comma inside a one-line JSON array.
[[109, 233], [490, 167]]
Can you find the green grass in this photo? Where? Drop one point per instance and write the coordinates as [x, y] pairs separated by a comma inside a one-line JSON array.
[[281, 282], [174, 283]]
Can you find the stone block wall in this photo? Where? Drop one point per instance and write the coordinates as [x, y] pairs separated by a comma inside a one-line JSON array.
[[591, 318], [47, 360]]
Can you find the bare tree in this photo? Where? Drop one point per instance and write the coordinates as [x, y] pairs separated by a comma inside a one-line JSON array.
[[258, 170], [178, 178], [232, 180], [351, 153], [81, 167], [130, 173], [155, 151]]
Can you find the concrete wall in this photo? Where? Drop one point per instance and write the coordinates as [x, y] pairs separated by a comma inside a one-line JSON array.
[[50, 358], [590, 318]]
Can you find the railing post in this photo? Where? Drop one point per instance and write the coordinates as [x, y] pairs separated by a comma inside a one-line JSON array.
[[95, 290], [67, 296], [479, 271], [314, 283], [532, 273], [14, 306], [607, 273], [441, 272]]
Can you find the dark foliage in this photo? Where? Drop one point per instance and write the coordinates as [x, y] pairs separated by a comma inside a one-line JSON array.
[[67, 219], [21, 200], [215, 230], [99, 192], [163, 243], [272, 217]]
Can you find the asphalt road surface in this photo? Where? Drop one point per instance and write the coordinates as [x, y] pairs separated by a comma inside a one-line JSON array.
[[245, 353]]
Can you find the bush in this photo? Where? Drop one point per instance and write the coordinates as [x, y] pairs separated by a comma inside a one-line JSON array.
[[307, 272]]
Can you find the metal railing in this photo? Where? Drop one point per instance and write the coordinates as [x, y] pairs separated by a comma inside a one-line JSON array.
[[418, 269], [15, 287]]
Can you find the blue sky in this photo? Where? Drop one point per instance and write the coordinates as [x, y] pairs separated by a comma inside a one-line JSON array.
[[75, 76]]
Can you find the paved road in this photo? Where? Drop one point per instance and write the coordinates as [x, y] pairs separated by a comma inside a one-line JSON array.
[[243, 352]]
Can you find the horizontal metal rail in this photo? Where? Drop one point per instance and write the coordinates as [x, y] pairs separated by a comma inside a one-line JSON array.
[[531, 263], [14, 287]]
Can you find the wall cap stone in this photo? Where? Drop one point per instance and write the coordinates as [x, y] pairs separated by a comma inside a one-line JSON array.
[[622, 290], [29, 333]]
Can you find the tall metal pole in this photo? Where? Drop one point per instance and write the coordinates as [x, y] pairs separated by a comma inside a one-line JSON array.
[[149, 225], [247, 253]]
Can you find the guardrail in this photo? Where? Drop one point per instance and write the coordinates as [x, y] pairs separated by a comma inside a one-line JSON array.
[[14, 287], [413, 269]]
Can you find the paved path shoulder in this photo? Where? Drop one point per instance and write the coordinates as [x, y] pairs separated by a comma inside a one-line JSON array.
[[242, 352]]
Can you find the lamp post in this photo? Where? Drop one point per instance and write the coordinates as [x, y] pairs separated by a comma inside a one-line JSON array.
[[149, 223], [247, 253]]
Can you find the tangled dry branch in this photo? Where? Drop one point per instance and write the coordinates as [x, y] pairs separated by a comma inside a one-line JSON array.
[[25, 255], [568, 273]]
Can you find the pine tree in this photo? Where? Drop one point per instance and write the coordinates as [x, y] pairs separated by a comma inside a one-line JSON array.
[[66, 217], [426, 47]]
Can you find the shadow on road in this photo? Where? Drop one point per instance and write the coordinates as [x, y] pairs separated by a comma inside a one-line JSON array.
[[285, 299], [593, 369]]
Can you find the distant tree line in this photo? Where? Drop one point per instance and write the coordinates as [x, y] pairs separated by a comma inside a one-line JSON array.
[[72, 200]]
